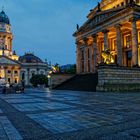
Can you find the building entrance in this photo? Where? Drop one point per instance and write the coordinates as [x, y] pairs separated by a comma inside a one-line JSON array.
[[128, 58]]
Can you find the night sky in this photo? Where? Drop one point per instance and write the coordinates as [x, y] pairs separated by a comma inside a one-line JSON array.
[[45, 27]]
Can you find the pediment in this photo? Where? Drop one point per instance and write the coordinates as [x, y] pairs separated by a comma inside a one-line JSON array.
[[98, 18], [102, 17], [8, 61]]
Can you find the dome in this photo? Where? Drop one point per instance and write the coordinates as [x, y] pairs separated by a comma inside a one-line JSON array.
[[30, 58], [4, 18]]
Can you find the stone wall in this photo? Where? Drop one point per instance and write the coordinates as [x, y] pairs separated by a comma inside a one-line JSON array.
[[57, 79], [113, 78]]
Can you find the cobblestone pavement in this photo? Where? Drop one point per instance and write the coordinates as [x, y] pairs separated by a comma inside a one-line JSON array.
[[69, 115]]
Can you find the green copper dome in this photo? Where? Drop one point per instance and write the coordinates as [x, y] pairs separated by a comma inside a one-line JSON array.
[[4, 18]]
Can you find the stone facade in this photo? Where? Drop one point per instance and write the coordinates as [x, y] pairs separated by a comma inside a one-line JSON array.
[[113, 25], [113, 78], [30, 69]]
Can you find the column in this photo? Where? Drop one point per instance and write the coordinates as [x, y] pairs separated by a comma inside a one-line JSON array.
[[105, 32], [19, 78], [134, 43], [85, 55], [13, 77], [119, 44], [94, 52], [78, 56], [28, 76], [91, 53], [4, 71], [85, 60]]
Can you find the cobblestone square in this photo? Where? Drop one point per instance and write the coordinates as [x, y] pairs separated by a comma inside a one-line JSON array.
[[69, 115]]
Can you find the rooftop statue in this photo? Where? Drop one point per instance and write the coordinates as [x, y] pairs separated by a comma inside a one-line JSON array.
[[99, 7]]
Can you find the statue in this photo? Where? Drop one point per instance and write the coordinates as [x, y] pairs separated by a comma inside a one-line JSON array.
[[99, 7], [77, 27], [107, 57]]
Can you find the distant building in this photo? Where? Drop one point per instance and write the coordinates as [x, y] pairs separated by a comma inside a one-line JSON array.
[[113, 25], [15, 69]]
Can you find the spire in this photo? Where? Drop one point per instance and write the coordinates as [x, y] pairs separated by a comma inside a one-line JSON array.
[[2, 8]]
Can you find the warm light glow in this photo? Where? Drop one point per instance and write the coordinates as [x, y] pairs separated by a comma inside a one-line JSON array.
[[49, 76], [2, 73], [14, 57], [107, 57]]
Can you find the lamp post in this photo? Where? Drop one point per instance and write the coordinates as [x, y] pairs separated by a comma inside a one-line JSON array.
[[50, 80]]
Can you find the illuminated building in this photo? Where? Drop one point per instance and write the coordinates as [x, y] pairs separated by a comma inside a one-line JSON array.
[[15, 69], [113, 25]]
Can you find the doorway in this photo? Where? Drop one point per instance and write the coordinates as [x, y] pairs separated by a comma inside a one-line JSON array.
[[129, 58]]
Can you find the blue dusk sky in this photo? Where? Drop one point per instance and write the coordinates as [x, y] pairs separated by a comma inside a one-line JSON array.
[[45, 27]]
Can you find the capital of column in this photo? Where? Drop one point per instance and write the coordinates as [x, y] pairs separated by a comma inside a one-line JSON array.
[[94, 37], [105, 31], [85, 40], [118, 26], [78, 43], [133, 19]]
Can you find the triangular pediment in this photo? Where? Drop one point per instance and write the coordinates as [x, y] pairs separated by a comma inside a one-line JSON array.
[[7, 61]]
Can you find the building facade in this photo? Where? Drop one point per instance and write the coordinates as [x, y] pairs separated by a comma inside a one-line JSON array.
[[15, 69], [113, 25]]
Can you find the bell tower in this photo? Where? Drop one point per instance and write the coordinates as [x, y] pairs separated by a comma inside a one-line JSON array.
[[5, 35]]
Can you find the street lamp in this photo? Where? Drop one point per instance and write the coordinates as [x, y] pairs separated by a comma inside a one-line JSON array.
[[49, 81]]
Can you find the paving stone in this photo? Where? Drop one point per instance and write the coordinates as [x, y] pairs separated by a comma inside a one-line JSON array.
[[70, 115]]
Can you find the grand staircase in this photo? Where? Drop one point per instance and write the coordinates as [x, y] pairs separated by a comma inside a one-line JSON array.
[[84, 82]]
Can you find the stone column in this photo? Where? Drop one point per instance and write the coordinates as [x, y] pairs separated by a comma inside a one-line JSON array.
[[94, 52], [78, 57], [134, 43], [119, 44], [13, 75], [105, 32], [91, 53], [19, 78], [85, 55], [28, 78], [4, 69]]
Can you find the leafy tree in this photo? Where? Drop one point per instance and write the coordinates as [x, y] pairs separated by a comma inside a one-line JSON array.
[[39, 79]]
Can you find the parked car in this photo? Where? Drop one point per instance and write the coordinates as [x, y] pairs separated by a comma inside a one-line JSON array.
[[19, 88]]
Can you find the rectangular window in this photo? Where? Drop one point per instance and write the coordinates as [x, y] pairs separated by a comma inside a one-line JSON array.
[[8, 71], [16, 80], [127, 41], [122, 4], [16, 72]]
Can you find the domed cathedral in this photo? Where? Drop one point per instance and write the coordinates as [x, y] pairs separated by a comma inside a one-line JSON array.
[[112, 27], [15, 69], [31, 65]]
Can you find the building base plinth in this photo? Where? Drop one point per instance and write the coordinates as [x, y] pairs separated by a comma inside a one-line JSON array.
[[113, 78]]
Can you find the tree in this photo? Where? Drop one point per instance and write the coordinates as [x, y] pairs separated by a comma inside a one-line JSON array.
[[39, 79]]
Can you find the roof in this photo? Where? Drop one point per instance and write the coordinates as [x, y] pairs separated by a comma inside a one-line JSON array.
[[4, 18], [30, 58]]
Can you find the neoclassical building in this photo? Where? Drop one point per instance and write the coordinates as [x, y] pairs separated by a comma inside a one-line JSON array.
[[113, 25], [15, 69]]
